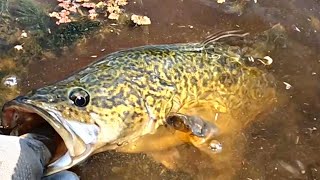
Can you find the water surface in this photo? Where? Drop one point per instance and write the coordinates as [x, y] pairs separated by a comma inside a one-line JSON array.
[[283, 144]]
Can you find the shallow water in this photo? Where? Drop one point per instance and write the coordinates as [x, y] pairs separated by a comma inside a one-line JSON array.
[[283, 144]]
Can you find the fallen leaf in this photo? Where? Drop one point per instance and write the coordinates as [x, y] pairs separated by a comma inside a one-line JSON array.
[[140, 20]]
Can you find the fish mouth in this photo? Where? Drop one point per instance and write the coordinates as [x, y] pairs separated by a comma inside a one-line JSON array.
[[74, 141]]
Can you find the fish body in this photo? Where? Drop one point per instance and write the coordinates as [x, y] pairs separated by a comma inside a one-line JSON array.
[[127, 95]]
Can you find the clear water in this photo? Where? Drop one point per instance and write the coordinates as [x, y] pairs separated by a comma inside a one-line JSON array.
[[284, 144]]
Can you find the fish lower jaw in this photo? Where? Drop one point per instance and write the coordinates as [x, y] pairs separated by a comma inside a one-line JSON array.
[[67, 161], [80, 140]]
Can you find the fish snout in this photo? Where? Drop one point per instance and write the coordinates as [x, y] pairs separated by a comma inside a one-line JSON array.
[[20, 99]]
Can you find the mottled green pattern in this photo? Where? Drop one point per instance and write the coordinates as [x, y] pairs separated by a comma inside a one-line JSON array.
[[130, 88]]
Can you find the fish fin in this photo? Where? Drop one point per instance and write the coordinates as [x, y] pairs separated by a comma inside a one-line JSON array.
[[201, 133], [221, 35]]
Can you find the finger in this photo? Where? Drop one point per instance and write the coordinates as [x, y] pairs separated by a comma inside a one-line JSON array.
[[63, 175]]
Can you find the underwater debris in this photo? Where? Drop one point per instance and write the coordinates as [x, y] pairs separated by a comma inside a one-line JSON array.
[[268, 60], [140, 20], [228, 6], [288, 86], [28, 14], [23, 34], [114, 8], [18, 47], [296, 28], [62, 16], [40, 32], [10, 73], [30, 23], [67, 34], [70, 11], [10, 81]]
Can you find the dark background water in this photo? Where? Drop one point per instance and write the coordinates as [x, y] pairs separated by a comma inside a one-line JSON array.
[[284, 144]]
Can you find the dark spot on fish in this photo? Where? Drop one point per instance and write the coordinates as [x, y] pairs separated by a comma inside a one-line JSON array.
[[76, 113], [132, 55], [107, 78], [201, 64], [126, 113], [226, 79], [164, 83], [185, 79], [138, 102], [176, 76], [140, 120], [218, 69], [140, 84], [205, 83], [98, 91], [157, 109], [156, 67], [102, 101], [136, 115], [194, 80]]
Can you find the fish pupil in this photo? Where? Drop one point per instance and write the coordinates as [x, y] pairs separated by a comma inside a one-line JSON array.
[[80, 101], [79, 97]]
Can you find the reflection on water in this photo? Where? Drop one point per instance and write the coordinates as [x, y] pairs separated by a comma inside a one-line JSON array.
[[283, 144]]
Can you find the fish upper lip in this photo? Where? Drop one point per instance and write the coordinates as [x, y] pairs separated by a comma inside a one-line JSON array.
[[70, 158]]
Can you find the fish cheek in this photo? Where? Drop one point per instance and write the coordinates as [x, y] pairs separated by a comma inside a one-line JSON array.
[[77, 114]]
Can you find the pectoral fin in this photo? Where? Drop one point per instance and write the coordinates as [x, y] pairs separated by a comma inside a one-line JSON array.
[[200, 133]]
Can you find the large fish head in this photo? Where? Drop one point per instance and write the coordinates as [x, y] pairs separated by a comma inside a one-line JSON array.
[[66, 106]]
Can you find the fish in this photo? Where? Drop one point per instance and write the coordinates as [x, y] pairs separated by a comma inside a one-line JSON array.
[[147, 99]]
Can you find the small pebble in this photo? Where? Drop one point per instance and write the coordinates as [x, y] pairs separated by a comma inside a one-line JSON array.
[[10, 81]]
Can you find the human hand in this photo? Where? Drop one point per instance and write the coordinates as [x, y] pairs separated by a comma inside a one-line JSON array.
[[25, 157]]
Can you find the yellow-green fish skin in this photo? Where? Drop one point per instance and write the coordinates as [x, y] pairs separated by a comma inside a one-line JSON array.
[[132, 92], [130, 88]]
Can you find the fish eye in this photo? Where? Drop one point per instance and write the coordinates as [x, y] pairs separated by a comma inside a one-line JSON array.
[[80, 97]]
